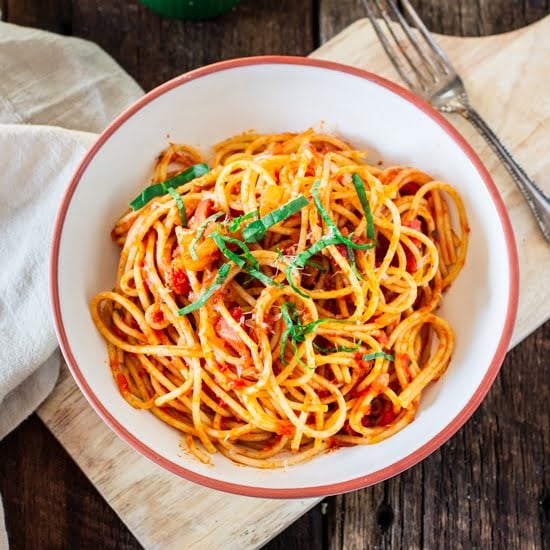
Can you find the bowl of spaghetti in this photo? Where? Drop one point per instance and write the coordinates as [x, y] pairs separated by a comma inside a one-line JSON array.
[[300, 279]]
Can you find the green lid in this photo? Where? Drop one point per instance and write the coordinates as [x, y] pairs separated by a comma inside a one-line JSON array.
[[190, 9]]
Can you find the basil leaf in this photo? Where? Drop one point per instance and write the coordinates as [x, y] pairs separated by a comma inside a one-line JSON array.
[[205, 296], [159, 189], [246, 261], [333, 229], [337, 349], [295, 330], [234, 225], [361, 193], [176, 196], [256, 231], [369, 356]]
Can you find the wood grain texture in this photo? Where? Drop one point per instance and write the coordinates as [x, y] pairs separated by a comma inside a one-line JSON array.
[[153, 49], [480, 488], [488, 487]]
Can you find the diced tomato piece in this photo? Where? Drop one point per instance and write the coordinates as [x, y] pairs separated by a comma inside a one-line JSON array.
[[238, 384], [178, 279], [286, 428], [237, 314], [158, 316], [387, 417], [343, 249], [409, 188], [122, 383], [203, 210], [404, 358], [415, 224], [411, 261], [227, 333], [348, 429]]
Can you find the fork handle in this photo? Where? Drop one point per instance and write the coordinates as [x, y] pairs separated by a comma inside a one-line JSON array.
[[535, 197]]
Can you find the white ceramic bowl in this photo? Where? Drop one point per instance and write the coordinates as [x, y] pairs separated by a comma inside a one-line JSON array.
[[272, 94]]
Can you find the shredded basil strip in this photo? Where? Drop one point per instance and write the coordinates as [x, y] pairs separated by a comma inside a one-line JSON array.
[[256, 231], [353, 264], [369, 356], [179, 203], [246, 251], [246, 261], [205, 296], [290, 317], [161, 188], [302, 258], [288, 274], [289, 322], [295, 330], [200, 232], [316, 265], [361, 193], [234, 225], [239, 261], [333, 229], [334, 237], [262, 277], [337, 349]]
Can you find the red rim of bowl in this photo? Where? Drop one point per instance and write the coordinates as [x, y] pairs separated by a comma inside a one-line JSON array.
[[299, 492]]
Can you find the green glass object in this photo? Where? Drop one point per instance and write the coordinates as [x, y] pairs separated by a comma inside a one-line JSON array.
[[190, 9]]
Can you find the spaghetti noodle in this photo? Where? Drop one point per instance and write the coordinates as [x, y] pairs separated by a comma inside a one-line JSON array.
[[283, 302]]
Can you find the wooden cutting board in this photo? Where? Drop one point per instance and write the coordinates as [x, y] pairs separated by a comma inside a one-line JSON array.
[[507, 77]]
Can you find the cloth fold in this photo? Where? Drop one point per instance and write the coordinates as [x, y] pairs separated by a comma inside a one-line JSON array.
[[56, 93]]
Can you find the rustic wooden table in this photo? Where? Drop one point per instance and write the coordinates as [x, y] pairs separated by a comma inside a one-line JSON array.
[[488, 487]]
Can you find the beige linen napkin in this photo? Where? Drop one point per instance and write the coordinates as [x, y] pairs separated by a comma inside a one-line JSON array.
[[55, 94]]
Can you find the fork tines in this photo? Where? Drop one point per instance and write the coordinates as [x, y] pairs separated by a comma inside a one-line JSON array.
[[415, 55]]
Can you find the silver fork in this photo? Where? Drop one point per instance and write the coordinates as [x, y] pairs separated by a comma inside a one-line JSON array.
[[431, 75]]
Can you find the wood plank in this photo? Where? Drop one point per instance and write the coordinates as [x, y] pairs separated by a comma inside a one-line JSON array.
[[49, 501], [154, 49], [479, 17], [480, 487], [433, 505], [481, 507], [50, 15]]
